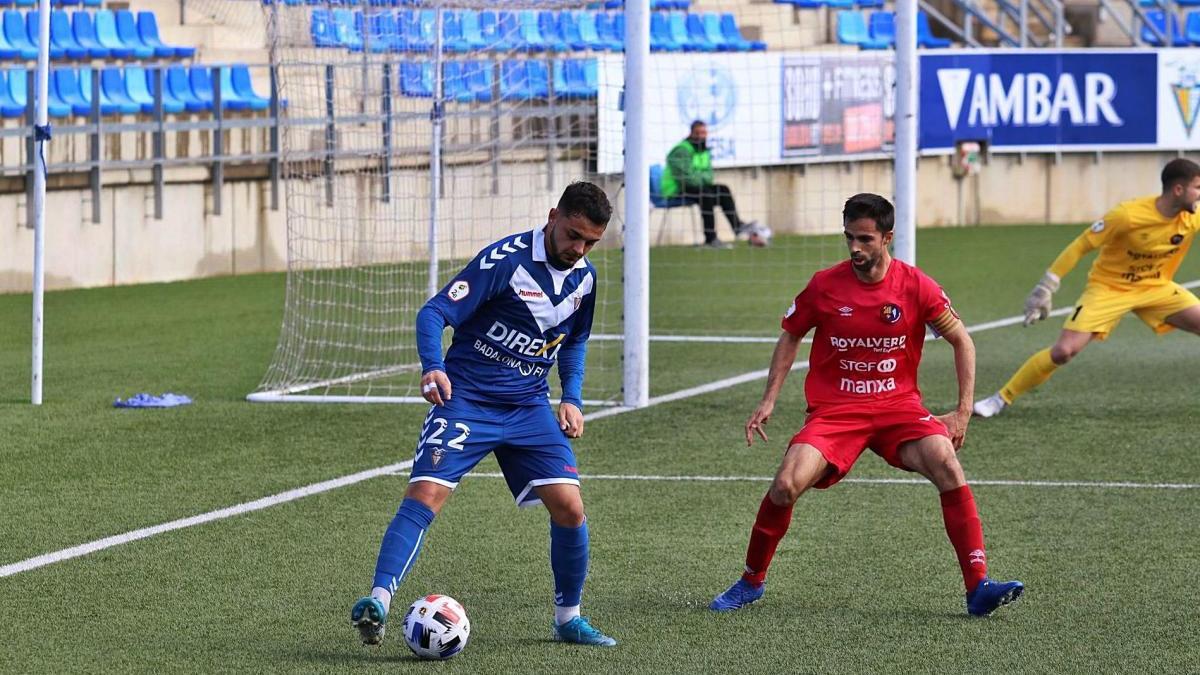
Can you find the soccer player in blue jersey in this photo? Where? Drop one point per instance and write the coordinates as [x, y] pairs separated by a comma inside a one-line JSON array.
[[521, 305]]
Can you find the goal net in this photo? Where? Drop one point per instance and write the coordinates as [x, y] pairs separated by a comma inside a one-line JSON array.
[[416, 133]]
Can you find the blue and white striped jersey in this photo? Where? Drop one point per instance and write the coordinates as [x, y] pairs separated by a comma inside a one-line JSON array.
[[514, 315]]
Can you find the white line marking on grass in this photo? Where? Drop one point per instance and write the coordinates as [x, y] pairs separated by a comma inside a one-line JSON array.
[[883, 481], [219, 514], [325, 486]]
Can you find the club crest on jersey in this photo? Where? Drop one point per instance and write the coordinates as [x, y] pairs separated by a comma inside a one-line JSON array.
[[435, 457], [1177, 239], [578, 301], [890, 313]]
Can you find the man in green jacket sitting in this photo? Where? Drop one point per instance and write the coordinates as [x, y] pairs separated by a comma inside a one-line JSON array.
[[689, 175]]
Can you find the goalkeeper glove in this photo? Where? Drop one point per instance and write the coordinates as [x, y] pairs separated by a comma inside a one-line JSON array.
[[1037, 305]]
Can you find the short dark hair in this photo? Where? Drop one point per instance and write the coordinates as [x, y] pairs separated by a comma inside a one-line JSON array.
[[582, 198], [869, 205], [1177, 171], [697, 123]]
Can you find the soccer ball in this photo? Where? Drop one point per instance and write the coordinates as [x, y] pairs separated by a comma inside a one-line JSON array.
[[760, 236], [436, 627]]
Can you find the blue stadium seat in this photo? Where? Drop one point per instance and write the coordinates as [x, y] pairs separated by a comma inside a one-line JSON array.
[[489, 28], [571, 79], [548, 26], [66, 85], [454, 82], [62, 36], [521, 80], [240, 97], [661, 38], [85, 35], [480, 80], [323, 32], [26, 3], [17, 36], [93, 3], [699, 37], [869, 4], [7, 51], [802, 4], [383, 32], [453, 39], [128, 32], [711, 24], [345, 30], [140, 85], [147, 24], [883, 27], [472, 30], [606, 28], [8, 106], [677, 26], [31, 28], [852, 30], [656, 198], [1158, 18], [839, 4], [180, 88], [530, 37], [18, 88], [568, 25], [203, 88], [925, 36], [374, 35], [116, 102], [67, 3], [1191, 28], [733, 34], [106, 34], [416, 79], [113, 84], [414, 29]]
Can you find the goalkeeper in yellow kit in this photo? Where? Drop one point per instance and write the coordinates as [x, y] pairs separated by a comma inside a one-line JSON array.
[[1141, 242]]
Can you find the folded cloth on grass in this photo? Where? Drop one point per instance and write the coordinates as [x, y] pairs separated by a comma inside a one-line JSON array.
[[144, 400]]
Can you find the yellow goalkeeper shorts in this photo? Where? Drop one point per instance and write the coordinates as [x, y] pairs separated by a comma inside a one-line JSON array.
[[1100, 308]]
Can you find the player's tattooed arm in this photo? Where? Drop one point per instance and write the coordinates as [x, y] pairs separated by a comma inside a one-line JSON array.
[[781, 364]]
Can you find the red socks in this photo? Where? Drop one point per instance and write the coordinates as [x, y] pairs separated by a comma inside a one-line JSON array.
[[769, 527], [965, 532]]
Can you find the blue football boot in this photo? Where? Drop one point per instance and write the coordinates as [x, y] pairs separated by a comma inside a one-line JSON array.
[[991, 595], [579, 631], [370, 618], [737, 596]]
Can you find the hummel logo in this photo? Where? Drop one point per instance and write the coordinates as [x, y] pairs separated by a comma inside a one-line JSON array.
[[495, 253], [977, 557], [846, 311], [530, 294]]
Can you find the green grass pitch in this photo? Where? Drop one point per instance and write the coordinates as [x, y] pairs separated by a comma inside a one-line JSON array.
[[864, 582]]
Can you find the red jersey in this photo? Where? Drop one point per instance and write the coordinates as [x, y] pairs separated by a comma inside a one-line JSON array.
[[869, 336]]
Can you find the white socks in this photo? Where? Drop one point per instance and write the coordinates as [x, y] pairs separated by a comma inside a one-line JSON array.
[[565, 614], [383, 595]]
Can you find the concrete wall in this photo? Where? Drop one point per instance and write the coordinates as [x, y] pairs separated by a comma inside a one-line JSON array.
[[130, 246]]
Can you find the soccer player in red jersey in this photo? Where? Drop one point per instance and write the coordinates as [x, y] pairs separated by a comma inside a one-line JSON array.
[[870, 314]]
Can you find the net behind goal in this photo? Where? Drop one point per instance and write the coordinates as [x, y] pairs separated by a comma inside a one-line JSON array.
[[414, 135]]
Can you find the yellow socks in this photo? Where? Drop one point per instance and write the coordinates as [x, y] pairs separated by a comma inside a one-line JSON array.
[[1034, 372]]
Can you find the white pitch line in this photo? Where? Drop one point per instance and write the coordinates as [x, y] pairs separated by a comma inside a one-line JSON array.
[[333, 484], [883, 481], [219, 514]]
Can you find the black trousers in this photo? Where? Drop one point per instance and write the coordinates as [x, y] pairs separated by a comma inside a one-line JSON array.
[[709, 197]]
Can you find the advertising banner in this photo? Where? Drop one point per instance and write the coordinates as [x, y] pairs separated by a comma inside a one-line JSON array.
[[838, 105]]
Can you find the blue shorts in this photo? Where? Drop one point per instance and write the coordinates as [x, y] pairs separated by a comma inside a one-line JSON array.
[[530, 446]]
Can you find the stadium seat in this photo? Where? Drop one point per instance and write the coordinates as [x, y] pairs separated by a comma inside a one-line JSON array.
[[869, 4], [147, 25], [571, 79], [234, 96], [802, 4], [530, 37], [66, 84], [711, 23], [180, 89], [568, 28], [374, 32], [661, 39], [7, 51], [699, 37], [31, 28], [18, 89], [925, 36], [323, 32], [26, 3], [618, 29], [345, 30], [551, 31], [472, 30], [416, 79], [8, 106], [1191, 28], [116, 82], [17, 36], [200, 77], [1158, 18], [106, 34], [418, 29], [660, 202], [883, 27], [68, 3], [852, 30], [588, 33], [140, 84], [93, 3], [85, 35], [453, 39], [605, 31], [521, 80], [677, 29], [838, 4], [61, 35], [128, 32], [478, 79], [733, 34], [116, 102]]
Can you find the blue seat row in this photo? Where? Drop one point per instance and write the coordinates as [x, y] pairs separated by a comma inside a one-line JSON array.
[[1177, 36], [836, 4], [87, 35], [473, 81], [654, 4], [130, 90], [63, 3], [853, 29], [467, 31]]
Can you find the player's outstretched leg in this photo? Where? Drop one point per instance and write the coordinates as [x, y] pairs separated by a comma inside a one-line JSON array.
[[397, 552]]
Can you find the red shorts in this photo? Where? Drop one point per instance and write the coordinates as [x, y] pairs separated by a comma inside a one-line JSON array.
[[841, 434]]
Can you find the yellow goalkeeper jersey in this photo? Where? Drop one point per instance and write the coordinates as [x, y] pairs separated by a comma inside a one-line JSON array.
[[1139, 248]]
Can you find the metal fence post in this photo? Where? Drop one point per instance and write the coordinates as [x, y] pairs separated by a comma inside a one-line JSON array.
[[386, 104], [330, 135], [30, 145], [218, 144], [158, 141], [273, 163], [95, 146]]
